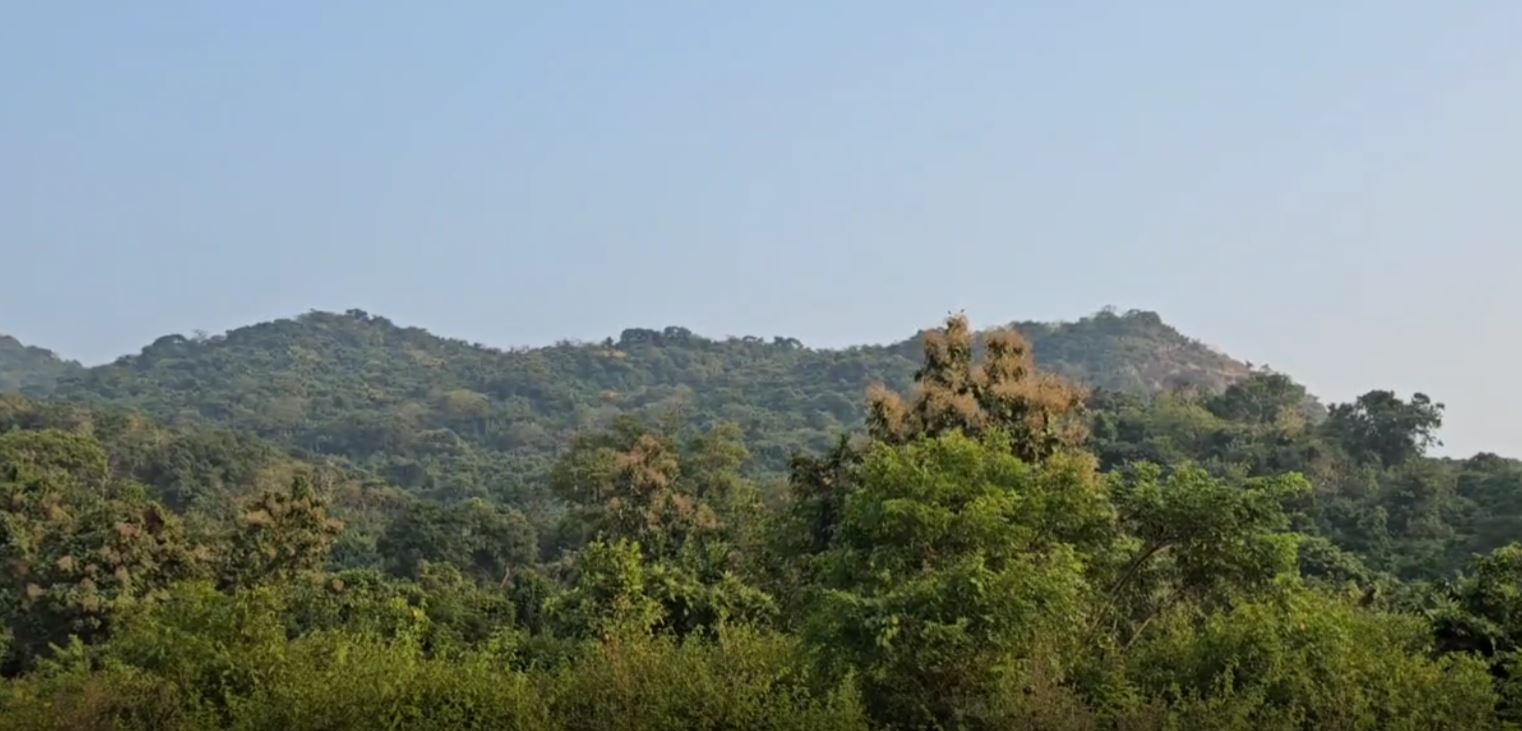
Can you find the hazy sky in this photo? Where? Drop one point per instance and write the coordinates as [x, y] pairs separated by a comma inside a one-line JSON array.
[[1334, 189]]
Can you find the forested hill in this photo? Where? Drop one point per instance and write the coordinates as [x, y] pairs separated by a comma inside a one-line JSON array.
[[24, 368], [1135, 352], [992, 550], [405, 401]]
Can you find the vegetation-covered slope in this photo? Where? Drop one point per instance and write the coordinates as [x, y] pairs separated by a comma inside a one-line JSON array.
[[450, 421], [28, 368], [993, 549], [1135, 352], [446, 417], [203, 473]]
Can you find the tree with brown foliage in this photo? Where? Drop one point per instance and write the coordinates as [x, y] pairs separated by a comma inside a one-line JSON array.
[[955, 392], [77, 545], [281, 534]]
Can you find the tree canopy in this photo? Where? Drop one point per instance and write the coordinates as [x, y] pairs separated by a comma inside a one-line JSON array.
[[336, 523]]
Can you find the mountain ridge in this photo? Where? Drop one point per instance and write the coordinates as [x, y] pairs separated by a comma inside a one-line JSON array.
[[1219, 368], [444, 416]]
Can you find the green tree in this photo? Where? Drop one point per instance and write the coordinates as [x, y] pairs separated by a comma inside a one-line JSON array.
[[609, 592], [1480, 614], [1264, 397], [953, 562], [1382, 428], [685, 510], [1303, 660], [1197, 539], [481, 539]]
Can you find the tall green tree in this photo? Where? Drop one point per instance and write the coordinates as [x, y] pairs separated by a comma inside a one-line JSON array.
[[1381, 427], [953, 562]]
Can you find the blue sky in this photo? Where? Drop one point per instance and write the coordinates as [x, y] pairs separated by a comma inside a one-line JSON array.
[[1334, 189]]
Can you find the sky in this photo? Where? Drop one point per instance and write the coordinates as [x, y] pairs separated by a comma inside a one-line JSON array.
[[1331, 189]]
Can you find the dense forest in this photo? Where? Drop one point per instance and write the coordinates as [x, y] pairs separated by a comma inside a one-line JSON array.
[[452, 420], [333, 522]]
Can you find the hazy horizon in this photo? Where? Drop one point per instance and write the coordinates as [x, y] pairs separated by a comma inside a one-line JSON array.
[[1327, 191]]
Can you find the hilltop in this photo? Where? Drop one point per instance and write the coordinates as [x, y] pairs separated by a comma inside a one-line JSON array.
[[29, 368], [1135, 353]]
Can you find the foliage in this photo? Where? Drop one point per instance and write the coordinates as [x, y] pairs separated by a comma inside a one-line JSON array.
[[26, 368], [279, 536], [450, 420], [952, 560], [1004, 392], [1373, 493], [76, 547], [1379, 426], [206, 475], [591, 536], [632, 482], [1199, 539], [485, 540], [1302, 660], [211, 660]]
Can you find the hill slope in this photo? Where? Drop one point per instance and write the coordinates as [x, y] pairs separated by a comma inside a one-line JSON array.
[[202, 473], [1134, 353], [27, 368], [447, 417]]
